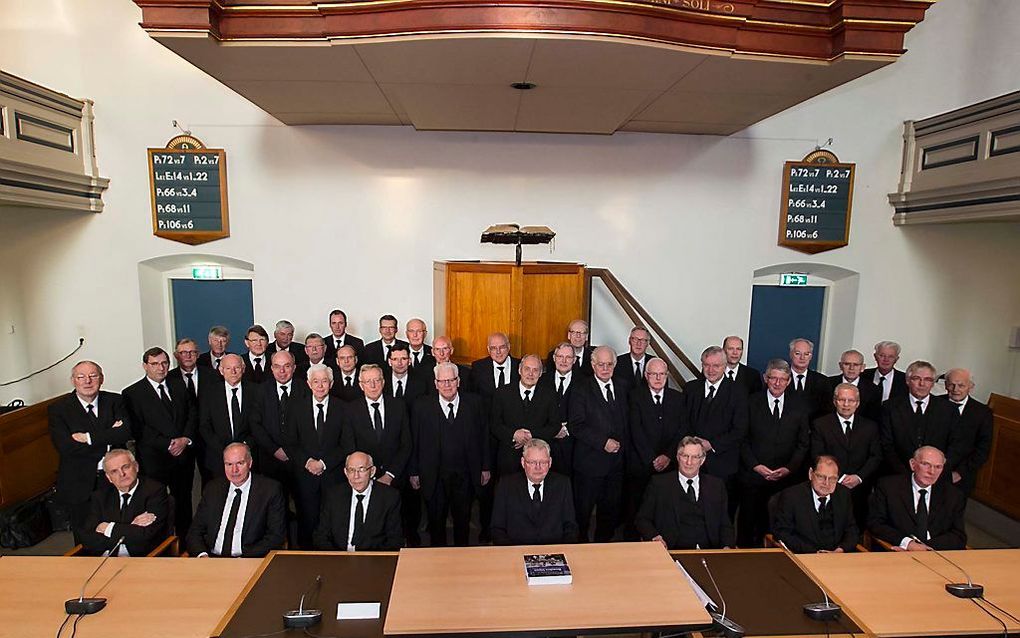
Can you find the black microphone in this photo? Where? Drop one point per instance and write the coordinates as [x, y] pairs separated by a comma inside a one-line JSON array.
[[301, 617], [720, 622], [823, 611], [961, 590], [82, 606]]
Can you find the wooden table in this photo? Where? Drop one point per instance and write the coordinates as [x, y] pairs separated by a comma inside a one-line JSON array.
[[151, 597], [616, 587], [903, 593]]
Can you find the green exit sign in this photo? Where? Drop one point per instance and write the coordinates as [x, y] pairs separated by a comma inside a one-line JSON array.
[[206, 272], [792, 279]]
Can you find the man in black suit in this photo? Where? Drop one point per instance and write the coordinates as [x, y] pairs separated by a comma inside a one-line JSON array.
[[338, 336], [656, 426], [401, 381], [630, 366], [854, 441], [131, 507], [84, 425], [313, 445], [816, 516], [686, 510], [533, 507], [229, 414], [811, 387], [315, 353], [420, 352], [773, 452], [375, 506], [240, 514], [521, 412], [378, 351], [442, 352], [598, 421], [892, 382], [201, 383], [717, 414], [970, 430], [219, 341], [577, 337], [914, 420], [450, 461], [164, 422], [559, 379], [283, 335], [346, 386], [918, 512], [256, 362], [745, 376], [851, 363]]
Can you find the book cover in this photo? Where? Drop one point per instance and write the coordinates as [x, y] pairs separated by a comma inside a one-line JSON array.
[[547, 569]]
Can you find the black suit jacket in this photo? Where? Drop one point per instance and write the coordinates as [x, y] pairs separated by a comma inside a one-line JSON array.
[[427, 418], [76, 472], [205, 359], [816, 395], [550, 379], [903, 433], [509, 413], [771, 443], [593, 421], [891, 514], [382, 531], [516, 520], [214, 422], [796, 520], [415, 385], [392, 449], [301, 371], [341, 391], [582, 365], [296, 350], [304, 442], [263, 528], [251, 375], [153, 426], [208, 379], [970, 434], [749, 378], [375, 352], [269, 430], [871, 398], [483, 382], [150, 496], [349, 340], [899, 382], [860, 455], [723, 422], [654, 430], [427, 362], [661, 509], [624, 370]]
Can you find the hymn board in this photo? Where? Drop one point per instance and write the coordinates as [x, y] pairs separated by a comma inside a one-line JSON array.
[[817, 195], [188, 191]]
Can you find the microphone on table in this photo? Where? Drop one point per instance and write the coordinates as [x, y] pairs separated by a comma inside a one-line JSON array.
[[82, 606], [720, 622], [961, 590], [823, 611], [301, 617]]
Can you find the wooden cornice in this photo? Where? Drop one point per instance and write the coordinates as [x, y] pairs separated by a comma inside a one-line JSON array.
[[804, 29]]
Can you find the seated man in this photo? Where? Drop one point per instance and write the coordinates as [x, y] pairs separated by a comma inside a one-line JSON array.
[[534, 508], [816, 516], [918, 513], [687, 510], [135, 509], [241, 514], [376, 519]]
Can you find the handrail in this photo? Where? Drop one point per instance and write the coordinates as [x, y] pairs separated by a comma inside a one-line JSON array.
[[640, 317]]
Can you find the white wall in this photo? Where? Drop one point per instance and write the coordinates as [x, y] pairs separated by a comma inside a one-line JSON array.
[[354, 216]]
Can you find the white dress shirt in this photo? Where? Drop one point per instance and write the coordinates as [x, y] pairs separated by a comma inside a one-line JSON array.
[[444, 405], [229, 391], [772, 402], [916, 493], [354, 505], [235, 543], [122, 550], [887, 386], [506, 365], [696, 484]]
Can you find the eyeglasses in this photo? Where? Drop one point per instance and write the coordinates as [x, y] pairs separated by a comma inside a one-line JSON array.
[[655, 374], [188, 353], [691, 457], [539, 463], [356, 471], [90, 377], [577, 332], [447, 381], [930, 466], [498, 348], [638, 340], [826, 480], [371, 381], [919, 379]]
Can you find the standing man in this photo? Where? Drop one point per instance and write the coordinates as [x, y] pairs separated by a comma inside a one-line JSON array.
[[559, 379], [229, 414], [811, 387], [745, 376], [816, 516], [401, 382], [915, 420], [450, 459], [346, 387], [241, 514], [577, 337], [315, 353], [313, 445], [442, 352], [892, 382], [219, 341], [283, 335], [773, 452], [338, 336], [534, 507], [630, 366], [854, 441], [378, 351], [970, 430], [520, 413], [420, 353], [84, 425], [598, 420], [851, 363], [360, 515], [270, 430], [196, 378], [164, 422], [256, 363]]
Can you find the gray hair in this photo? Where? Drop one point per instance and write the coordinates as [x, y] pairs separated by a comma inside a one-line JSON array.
[[319, 367], [603, 349], [711, 351], [854, 352], [537, 443], [802, 340], [690, 440], [541, 364], [915, 366], [371, 366], [283, 324], [846, 386], [117, 451], [928, 448], [446, 365], [778, 364], [240, 444], [881, 345], [219, 331]]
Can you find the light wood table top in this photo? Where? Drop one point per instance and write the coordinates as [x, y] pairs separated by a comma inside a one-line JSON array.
[[483, 590], [152, 597], [903, 593]]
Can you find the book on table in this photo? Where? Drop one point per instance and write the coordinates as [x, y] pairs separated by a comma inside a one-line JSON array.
[[547, 569]]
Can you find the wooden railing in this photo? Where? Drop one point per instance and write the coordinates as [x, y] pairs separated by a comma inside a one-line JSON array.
[[28, 460], [660, 341], [998, 485]]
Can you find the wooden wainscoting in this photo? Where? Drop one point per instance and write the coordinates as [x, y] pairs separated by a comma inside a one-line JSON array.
[[28, 460], [998, 483]]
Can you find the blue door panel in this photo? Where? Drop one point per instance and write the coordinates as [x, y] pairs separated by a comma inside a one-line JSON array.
[[780, 314], [199, 305]]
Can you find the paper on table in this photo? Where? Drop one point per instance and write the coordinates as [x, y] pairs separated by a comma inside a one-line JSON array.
[[698, 591], [357, 611]]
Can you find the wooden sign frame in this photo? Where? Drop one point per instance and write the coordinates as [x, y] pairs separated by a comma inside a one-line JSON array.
[[815, 160], [189, 236]]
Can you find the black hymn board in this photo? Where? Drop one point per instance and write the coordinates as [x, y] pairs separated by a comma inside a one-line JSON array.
[[188, 184], [817, 196]]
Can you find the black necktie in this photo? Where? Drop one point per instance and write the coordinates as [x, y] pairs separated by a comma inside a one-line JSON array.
[[637, 370], [690, 491], [450, 416], [284, 400], [124, 498], [609, 393], [415, 362], [400, 389], [730, 374], [921, 530], [559, 390], [658, 400], [502, 378], [258, 365], [190, 383], [821, 505], [389, 349], [320, 420], [165, 399], [711, 394], [359, 519], [216, 363], [348, 382], [377, 418], [847, 428], [228, 533], [800, 383], [91, 413], [536, 496], [235, 412], [775, 409], [527, 398], [918, 411]]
